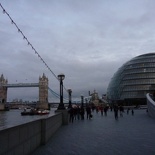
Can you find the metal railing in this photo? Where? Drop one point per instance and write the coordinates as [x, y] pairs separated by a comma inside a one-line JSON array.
[[150, 105]]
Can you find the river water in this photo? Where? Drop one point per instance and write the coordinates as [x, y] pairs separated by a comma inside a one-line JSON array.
[[13, 117]]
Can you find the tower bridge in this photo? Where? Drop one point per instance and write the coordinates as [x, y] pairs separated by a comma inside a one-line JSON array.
[[42, 85], [20, 85]]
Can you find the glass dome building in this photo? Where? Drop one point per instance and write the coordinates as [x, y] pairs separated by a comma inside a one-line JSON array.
[[133, 80]]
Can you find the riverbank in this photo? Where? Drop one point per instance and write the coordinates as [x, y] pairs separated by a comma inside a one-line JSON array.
[[25, 137]]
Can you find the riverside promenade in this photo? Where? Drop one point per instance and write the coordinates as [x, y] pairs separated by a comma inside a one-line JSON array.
[[103, 135]]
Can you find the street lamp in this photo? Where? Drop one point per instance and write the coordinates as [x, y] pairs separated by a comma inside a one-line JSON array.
[[70, 100], [81, 100], [61, 77]]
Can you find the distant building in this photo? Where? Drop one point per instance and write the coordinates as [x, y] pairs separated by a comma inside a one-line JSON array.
[[130, 84], [3, 92], [94, 98]]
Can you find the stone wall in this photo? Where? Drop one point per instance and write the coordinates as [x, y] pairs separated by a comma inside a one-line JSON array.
[[49, 126], [25, 138]]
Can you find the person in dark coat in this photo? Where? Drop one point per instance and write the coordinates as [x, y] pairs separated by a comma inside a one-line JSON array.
[[101, 109], [71, 114], [132, 112], [121, 109], [88, 111], [78, 112], [105, 110], [82, 112], [116, 111]]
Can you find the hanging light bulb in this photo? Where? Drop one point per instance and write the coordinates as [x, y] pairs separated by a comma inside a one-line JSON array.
[[4, 11]]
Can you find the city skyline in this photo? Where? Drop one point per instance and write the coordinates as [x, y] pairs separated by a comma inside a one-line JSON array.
[[86, 40]]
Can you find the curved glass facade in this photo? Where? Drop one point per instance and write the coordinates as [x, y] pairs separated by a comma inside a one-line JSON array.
[[133, 80]]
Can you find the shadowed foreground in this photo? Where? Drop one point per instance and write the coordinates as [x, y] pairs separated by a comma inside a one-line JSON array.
[[129, 135]]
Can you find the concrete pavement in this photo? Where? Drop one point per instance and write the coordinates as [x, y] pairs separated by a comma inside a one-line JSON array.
[[103, 135]]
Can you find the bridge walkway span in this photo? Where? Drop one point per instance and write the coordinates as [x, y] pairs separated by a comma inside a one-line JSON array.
[[21, 85]]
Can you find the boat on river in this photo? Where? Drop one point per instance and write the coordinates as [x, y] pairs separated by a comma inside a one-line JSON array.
[[35, 112]]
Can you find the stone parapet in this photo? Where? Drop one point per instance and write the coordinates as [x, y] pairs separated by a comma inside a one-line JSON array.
[[25, 138], [64, 116]]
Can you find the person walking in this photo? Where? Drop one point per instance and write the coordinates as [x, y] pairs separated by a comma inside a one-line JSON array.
[[121, 110], [78, 112], [82, 112], [101, 109], [105, 110], [71, 114], [116, 112], [128, 110], [88, 111], [132, 112]]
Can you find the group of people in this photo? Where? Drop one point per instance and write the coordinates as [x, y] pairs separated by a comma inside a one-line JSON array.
[[78, 113], [117, 109], [102, 109], [121, 110]]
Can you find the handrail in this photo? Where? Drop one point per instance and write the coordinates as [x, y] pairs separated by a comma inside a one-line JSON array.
[[150, 99], [150, 105]]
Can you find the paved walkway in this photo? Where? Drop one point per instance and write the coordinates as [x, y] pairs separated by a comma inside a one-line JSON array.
[[129, 135]]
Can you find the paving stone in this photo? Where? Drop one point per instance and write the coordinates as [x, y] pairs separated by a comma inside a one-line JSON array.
[[103, 135]]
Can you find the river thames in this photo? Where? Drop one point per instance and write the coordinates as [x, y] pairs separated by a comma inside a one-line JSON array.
[[13, 117]]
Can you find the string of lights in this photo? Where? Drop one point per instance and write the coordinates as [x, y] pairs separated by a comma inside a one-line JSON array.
[[29, 43]]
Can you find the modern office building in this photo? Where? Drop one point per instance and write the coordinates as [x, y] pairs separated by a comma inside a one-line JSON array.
[[133, 80]]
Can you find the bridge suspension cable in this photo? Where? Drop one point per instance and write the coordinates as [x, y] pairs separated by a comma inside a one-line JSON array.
[[29, 43], [57, 95], [66, 99]]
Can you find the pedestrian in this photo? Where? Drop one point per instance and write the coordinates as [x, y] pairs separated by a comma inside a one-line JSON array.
[[78, 112], [97, 109], [111, 107], [82, 112], [128, 110], [88, 111], [132, 112], [101, 108], [105, 110], [71, 114], [93, 108], [121, 110], [116, 111], [75, 112]]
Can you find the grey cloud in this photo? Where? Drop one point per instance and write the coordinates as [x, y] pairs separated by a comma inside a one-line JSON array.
[[86, 40]]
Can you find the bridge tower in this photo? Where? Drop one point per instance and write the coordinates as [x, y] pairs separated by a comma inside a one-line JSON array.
[[3, 92], [43, 92]]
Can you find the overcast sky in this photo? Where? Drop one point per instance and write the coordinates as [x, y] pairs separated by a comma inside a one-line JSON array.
[[87, 40]]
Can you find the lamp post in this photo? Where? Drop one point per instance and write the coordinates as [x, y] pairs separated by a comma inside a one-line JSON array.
[[81, 100], [61, 77], [70, 100]]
